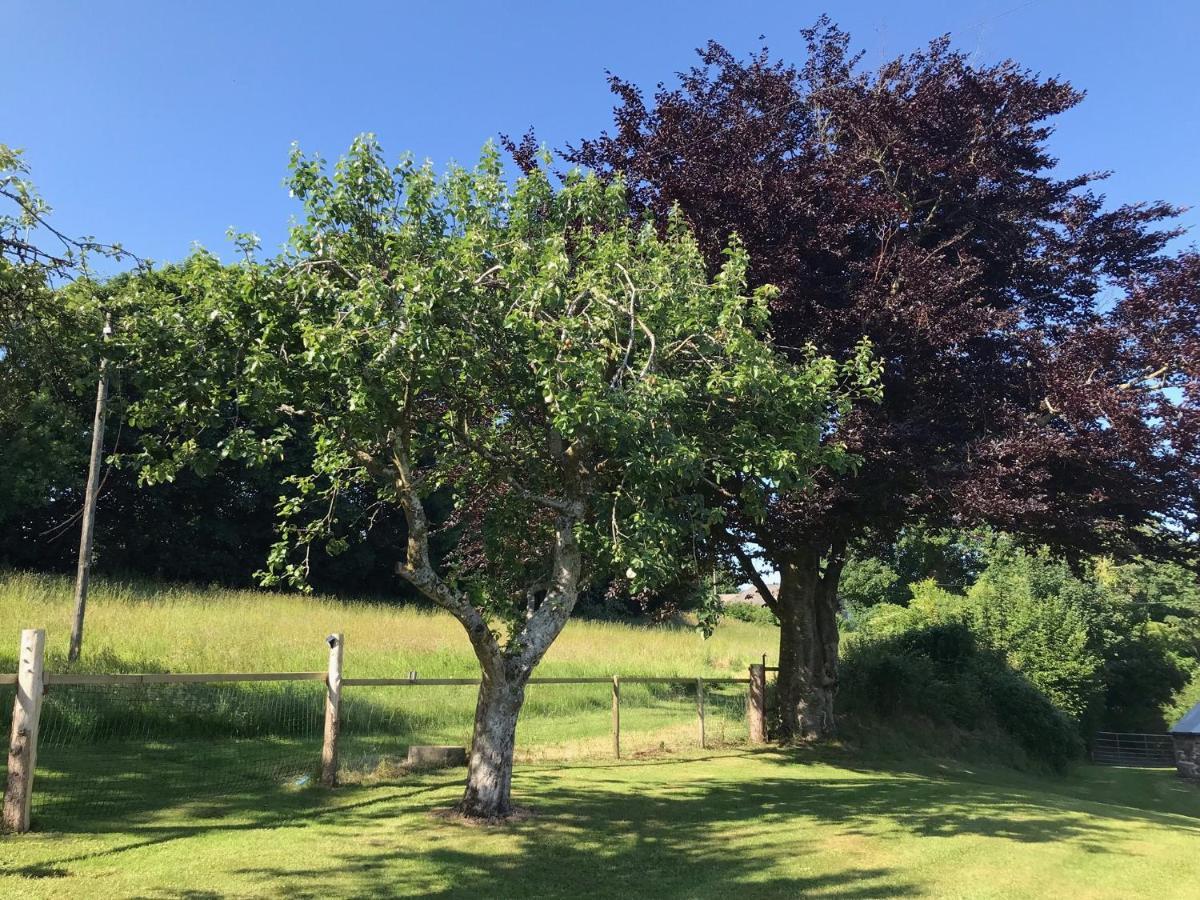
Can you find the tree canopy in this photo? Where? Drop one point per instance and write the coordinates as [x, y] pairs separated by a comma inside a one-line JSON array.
[[1039, 347], [576, 380]]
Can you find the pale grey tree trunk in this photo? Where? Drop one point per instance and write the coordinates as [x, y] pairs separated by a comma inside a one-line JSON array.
[[505, 669], [488, 793]]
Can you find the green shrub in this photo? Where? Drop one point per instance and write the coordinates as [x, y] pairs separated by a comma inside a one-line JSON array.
[[746, 612], [942, 674]]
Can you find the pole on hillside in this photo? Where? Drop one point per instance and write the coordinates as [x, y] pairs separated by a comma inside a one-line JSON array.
[[616, 715], [22, 745], [756, 709], [700, 710], [333, 710], [91, 493]]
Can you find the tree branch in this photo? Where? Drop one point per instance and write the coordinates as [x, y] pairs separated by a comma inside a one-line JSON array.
[[418, 570]]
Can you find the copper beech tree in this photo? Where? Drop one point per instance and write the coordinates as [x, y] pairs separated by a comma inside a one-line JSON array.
[[574, 380], [1039, 346]]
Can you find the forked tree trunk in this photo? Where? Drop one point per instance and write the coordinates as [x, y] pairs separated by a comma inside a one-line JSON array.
[[808, 647], [505, 669], [490, 765]]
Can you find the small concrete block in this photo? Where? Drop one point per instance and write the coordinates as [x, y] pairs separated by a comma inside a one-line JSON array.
[[435, 757]]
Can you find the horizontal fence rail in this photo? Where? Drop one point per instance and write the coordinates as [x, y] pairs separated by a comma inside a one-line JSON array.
[[52, 678], [1133, 749], [625, 679], [33, 683]]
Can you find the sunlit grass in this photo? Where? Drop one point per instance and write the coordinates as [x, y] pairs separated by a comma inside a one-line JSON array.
[[149, 627], [724, 823], [162, 628]]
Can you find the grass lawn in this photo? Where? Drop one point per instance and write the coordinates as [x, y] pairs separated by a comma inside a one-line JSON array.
[[726, 823], [206, 791]]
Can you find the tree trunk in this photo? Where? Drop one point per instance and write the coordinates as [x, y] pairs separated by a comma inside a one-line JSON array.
[[808, 646], [489, 768]]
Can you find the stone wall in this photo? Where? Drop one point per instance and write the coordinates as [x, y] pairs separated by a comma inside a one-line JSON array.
[[1187, 755]]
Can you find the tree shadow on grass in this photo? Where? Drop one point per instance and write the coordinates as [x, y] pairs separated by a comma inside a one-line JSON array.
[[748, 821], [1124, 793], [591, 841], [701, 836]]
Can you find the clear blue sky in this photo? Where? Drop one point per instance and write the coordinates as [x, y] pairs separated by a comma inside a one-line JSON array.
[[163, 123]]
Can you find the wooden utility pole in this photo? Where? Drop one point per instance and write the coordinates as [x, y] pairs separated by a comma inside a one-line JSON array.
[[22, 746], [86, 533]]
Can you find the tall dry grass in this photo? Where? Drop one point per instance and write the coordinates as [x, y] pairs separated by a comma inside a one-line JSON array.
[[147, 627], [142, 626]]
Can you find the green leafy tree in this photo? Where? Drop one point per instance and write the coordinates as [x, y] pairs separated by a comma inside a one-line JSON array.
[[1083, 637], [888, 571], [1079, 636], [50, 324], [575, 380], [1033, 610]]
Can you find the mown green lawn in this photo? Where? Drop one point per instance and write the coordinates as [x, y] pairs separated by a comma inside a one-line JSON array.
[[725, 823], [207, 792]]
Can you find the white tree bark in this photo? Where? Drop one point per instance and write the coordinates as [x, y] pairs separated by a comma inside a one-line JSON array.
[[505, 670]]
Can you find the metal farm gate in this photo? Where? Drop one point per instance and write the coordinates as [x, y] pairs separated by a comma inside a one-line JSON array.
[[1112, 748]]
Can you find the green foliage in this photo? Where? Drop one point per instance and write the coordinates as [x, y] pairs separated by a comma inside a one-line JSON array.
[[867, 581], [48, 357], [531, 350], [886, 571], [1048, 624], [1183, 702], [940, 672], [747, 612], [1080, 637], [1085, 641]]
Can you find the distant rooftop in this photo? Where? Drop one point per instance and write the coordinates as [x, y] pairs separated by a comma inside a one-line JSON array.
[[1190, 723], [749, 595]]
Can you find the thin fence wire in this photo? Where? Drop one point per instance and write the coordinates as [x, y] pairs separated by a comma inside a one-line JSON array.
[[140, 754], [379, 724], [127, 752]]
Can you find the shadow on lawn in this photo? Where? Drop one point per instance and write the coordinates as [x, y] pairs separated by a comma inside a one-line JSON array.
[[599, 840], [699, 837], [679, 832]]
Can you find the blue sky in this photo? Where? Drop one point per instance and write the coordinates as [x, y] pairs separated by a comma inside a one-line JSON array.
[[163, 123]]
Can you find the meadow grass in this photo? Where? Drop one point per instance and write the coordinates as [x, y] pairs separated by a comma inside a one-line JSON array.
[[141, 626], [275, 728]]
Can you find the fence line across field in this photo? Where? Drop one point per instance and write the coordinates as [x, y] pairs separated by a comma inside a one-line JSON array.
[[32, 683], [51, 678]]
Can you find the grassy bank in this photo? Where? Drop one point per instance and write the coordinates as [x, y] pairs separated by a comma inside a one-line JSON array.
[[764, 824], [274, 730], [147, 628]]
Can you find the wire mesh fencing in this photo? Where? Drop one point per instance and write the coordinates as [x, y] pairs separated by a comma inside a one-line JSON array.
[[124, 753], [379, 723], [148, 751]]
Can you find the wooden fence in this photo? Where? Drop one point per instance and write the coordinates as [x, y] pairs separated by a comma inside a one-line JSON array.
[[32, 682], [1133, 749]]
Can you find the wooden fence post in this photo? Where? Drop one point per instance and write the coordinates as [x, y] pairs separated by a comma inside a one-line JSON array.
[[757, 707], [616, 715], [333, 706], [22, 746], [700, 710]]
